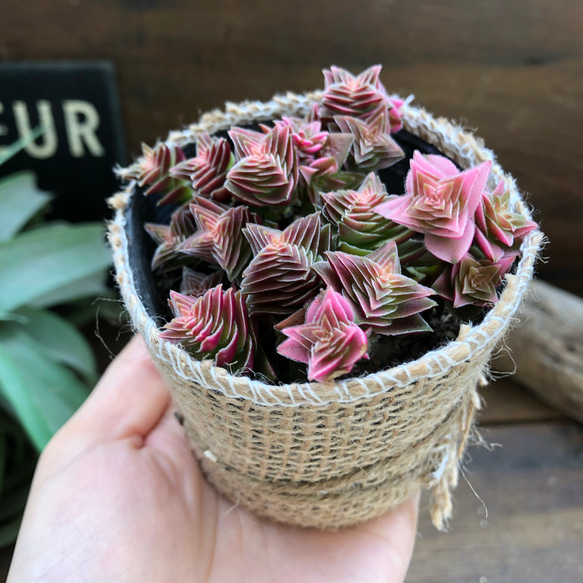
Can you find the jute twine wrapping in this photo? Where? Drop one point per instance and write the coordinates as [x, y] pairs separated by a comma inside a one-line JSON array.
[[333, 454]]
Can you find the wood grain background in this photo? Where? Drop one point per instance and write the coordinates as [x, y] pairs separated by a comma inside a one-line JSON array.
[[511, 69]]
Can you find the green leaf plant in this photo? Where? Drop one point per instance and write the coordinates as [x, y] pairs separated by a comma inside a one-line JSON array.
[[46, 364]]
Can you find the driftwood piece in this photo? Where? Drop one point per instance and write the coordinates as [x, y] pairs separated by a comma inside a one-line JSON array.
[[546, 348]]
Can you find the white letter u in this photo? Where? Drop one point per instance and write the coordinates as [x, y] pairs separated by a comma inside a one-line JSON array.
[[49, 142]]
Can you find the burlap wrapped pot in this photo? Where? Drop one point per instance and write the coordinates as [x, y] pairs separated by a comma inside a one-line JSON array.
[[333, 454]]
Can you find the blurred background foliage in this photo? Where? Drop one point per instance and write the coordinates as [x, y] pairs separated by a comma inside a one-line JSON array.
[[50, 275]]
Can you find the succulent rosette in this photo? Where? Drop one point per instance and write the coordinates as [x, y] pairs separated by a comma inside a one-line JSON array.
[[266, 168], [329, 341], [279, 278], [219, 237], [308, 137], [360, 228], [214, 325], [384, 300], [169, 238], [499, 228], [296, 218], [195, 283], [154, 171], [207, 171], [373, 147], [357, 96], [473, 281], [440, 202], [321, 155]]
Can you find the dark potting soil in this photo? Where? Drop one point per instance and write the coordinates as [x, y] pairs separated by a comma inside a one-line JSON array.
[[388, 351], [391, 351]]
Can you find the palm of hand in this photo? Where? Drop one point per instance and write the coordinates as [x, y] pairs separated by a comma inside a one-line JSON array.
[[118, 496]]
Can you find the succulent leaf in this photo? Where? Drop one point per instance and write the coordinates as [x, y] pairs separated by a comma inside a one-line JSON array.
[[329, 341], [338, 148], [373, 147], [266, 169], [440, 202], [208, 170], [384, 301], [215, 325], [396, 114], [279, 279]]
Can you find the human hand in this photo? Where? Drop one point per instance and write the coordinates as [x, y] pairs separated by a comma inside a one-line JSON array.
[[119, 497]]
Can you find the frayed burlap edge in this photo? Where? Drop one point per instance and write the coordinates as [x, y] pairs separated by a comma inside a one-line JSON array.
[[333, 454]]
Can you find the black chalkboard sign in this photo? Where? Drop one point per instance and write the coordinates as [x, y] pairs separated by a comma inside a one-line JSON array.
[[78, 107]]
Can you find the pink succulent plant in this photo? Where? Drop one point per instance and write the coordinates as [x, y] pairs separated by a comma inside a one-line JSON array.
[[440, 202], [329, 341], [357, 96], [208, 170], [499, 227], [360, 228], [321, 154], [373, 147], [153, 171], [266, 169], [384, 300], [169, 238], [279, 278], [473, 281], [214, 325], [313, 143], [308, 137], [219, 238]]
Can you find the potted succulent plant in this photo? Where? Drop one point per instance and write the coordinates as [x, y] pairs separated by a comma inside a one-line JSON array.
[[338, 267]]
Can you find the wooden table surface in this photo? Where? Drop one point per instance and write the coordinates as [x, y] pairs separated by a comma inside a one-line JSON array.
[[521, 520]]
